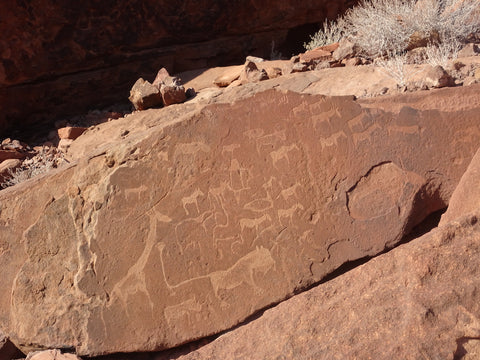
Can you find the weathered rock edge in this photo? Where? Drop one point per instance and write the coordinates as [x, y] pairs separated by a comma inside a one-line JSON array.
[[418, 301], [189, 227]]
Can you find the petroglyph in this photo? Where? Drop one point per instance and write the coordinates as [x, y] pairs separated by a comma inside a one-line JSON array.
[[413, 129], [332, 140], [289, 192], [191, 148], [187, 312], [288, 213], [254, 133], [135, 280], [163, 218], [357, 124], [365, 135], [162, 155], [257, 262], [229, 149], [259, 205], [282, 154], [135, 191], [238, 175], [192, 199], [254, 223], [270, 141]]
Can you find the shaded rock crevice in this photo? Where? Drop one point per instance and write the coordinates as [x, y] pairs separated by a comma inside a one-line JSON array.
[[467, 348]]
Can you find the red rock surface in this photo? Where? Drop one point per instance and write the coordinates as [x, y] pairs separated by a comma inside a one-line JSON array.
[[58, 56], [54, 354], [182, 222], [466, 197], [70, 132], [419, 301]]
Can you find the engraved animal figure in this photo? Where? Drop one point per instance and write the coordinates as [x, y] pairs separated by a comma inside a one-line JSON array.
[[243, 271], [282, 153], [192, 199], [254, 223], [288, 213]]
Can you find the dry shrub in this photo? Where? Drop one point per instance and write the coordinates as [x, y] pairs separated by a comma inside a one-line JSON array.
[[331, 32], [46, 160], [379, 27]]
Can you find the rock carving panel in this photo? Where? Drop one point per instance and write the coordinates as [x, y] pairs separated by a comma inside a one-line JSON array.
[[216, 217]]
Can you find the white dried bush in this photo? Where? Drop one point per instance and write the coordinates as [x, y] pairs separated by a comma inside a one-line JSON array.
[[395, 65], [381, 26], [331, 32], [40, 164], [442, 53], [377, 26]]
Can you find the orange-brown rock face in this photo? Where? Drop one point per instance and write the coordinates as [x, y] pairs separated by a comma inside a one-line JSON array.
[[466, 197], [418, 301], [186, 228], [57, 57]]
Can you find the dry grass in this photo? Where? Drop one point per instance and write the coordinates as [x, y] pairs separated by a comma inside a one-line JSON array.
[[45, 161], [331, 32]]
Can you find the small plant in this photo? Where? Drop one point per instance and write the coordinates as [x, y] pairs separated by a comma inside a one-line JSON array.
[[395, 65], [440, 54], [331, 32], [40, 164]]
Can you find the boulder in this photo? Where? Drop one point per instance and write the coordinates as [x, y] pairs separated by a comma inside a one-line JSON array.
[[329, 48], [352, 61], [144, 95], [172, 94], [299, 67], [171, 88], [421, 39], [346, 49], [229, 76], [316, 55], [11, 154], [436, 77], [9, 144], [419, 301], [251, 73], [70, 132], [469, 50], [7, 167], [255, 59], [161, 78], [466, 197], [274, 72], [54, 354], [201, 216]]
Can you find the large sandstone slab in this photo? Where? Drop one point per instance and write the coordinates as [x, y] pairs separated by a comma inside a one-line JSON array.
[[419, 301], [466, 197], [184, 227]]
